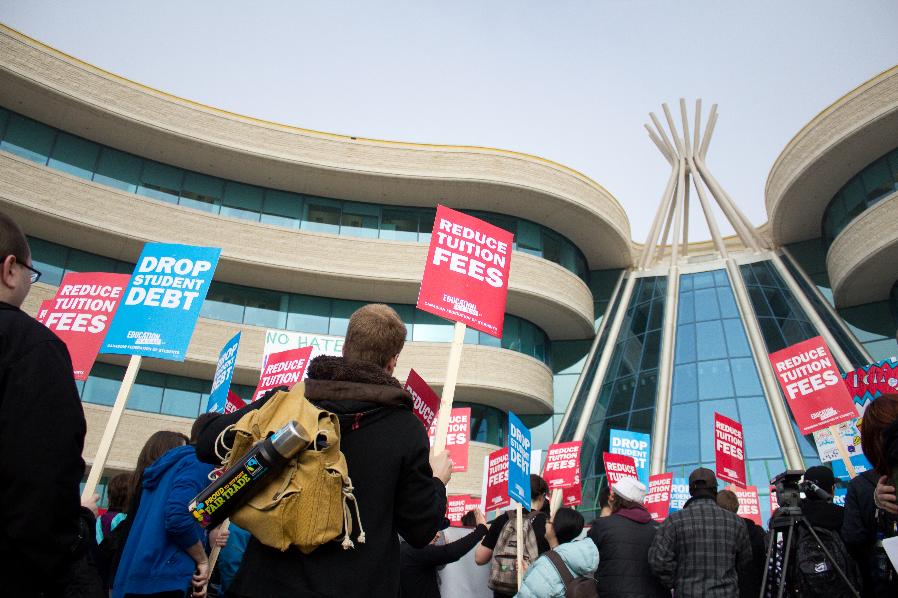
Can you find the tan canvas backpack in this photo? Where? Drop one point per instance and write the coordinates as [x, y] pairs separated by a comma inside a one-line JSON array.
[[307, 503]]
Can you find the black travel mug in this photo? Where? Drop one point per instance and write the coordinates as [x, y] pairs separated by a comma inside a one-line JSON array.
[[233, 487]]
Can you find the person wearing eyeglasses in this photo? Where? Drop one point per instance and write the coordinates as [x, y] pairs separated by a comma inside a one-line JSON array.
[[44, 533]]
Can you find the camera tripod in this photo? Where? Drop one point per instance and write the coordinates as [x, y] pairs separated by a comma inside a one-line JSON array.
[[784, 526]]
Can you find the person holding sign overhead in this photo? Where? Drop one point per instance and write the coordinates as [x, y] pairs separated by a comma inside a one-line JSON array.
[[45, 533]]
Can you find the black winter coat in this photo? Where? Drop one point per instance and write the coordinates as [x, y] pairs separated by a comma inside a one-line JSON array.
[[386, 448], [42, 431], [750, 585], [859, 528], [418, 566], [623, 557]]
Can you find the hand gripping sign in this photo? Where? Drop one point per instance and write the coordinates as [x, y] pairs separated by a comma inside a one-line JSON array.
[[425, 402], [221, 381], [163, 301], [496, 473], [618, 467], [749, 503], [813, 386], [282, 369], [729, 450], [81, 312], [466, 275], [455, 508], [657, 501], [562, 464], [457, 438]]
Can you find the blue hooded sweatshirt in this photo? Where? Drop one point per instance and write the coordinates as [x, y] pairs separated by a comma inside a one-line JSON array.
[[155, 557]]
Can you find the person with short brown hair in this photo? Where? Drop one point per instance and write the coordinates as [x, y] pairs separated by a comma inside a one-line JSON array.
[[44, 533], [375, 334]]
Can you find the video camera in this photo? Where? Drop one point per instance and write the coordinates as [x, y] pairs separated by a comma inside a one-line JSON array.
[[789, 488]]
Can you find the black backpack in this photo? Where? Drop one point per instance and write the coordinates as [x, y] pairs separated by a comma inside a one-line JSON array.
[[815, 572], [574, 587]]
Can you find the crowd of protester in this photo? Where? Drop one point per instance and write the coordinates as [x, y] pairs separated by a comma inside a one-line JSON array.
[[147, 543]]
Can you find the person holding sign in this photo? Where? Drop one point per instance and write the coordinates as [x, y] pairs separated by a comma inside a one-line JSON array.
[[399, 486], [702, 550], [44, 533], [623, 540]]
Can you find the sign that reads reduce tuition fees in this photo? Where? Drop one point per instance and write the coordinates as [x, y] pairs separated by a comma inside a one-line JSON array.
[[562, 464], [572, 496], [496, 495], [282, 369], [518, 460], [813, 386], [729, 450], [466, 275], [657, 500], [457, 437], [224, 371], [425, 402], [636, 445], [81, 312], [618, 467], [163, 301], [234, 402], [455, 508], [749, 503]]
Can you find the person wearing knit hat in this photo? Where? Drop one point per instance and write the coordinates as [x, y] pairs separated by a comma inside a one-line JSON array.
[[702, 549], [623, 540], [819, 511]]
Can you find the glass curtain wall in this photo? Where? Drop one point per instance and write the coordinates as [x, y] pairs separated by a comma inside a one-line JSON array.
[[714, 371]]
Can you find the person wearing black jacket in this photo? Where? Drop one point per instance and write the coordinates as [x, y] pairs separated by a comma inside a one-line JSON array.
[[418, 566], [819, 512], [859, 527], [749, 585], [45, 533], [399, 489]]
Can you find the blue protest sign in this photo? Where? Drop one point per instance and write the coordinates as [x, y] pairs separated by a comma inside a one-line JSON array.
[[679, 493], [839, 496], [163, 301], [860, 462], [518, 461], [221, 382], [636, 445]]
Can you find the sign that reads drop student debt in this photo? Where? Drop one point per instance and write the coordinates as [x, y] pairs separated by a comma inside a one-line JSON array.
[[813, 386], [224, 371], [729, 450], [163, 301], [518, 460], [562, 467], [81, 312], [636, 445], [466, 275]]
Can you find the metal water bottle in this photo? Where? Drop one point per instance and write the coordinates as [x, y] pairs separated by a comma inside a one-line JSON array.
[[233, 487]]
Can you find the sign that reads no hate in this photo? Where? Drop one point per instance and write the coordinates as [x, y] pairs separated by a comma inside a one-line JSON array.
[[282, 369], [636, 445], [618, 467], [657, 500], [729, 450], [466, 275], [562, 464], [224, 371], [496, 495], [518, 460], [163, 301], [81, 312], [425, 402], [813, 386], [749, 503], [457, 437]]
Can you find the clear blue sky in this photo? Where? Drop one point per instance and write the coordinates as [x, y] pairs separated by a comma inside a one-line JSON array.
[[565, 80]]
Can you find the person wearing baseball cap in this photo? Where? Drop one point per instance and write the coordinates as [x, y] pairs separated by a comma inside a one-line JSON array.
[[703, 549], [623, 540]]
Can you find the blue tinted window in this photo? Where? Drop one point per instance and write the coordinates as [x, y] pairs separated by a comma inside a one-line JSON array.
[[321, 215], [201, 192], [160, 182], [74, 155], [28, 139], [282, 209], [309, 314], [118, 169], [242, 201]]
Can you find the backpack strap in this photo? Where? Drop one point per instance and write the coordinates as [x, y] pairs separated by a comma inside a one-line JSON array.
[[563, 571]]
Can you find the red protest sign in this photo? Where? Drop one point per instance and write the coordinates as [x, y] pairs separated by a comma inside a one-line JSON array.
[[466, 274], [283, 369], [472, 503], [234, 402], [618, 467], [774, 503], [425, 402], [813, 386], [729, 450], [657, 501], [562, 464], [572, 495], [497, 480], [457, 437], [80, 313], [749, 503], [455, 508]]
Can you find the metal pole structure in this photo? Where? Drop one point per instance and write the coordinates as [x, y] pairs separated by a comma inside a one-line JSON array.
[[745, 231], [709, 216], [665, 374], [663, 207]]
